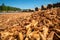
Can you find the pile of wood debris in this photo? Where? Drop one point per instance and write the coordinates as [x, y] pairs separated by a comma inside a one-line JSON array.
[[41, 25]]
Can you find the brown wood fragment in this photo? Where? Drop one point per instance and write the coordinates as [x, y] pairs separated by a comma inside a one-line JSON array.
[[50, 36]]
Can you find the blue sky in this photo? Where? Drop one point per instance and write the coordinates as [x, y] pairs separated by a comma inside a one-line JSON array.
[[27, 4]]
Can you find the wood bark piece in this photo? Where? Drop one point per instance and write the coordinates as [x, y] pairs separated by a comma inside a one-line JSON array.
[[57, 29], [34, 23], [51, 35], [26, 38], [4, 35], [43, 37], [57, 35], [21, 37], [45, 31], [35, 35]]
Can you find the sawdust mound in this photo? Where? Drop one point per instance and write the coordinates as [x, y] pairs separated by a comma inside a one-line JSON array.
[[41, 25]]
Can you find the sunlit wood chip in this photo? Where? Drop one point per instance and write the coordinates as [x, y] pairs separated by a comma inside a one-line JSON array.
[[21, 37]]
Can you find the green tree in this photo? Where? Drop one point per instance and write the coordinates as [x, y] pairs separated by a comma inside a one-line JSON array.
[[36, 9], [49, 6], [8, 8]]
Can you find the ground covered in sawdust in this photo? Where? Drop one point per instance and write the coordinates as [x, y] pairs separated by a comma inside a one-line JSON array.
[[39, 25]]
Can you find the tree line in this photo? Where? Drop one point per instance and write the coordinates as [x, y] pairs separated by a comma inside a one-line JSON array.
[[49, 6], [3, 7]]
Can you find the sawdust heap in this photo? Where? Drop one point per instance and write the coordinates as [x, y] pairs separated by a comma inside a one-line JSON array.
[[41, 25]]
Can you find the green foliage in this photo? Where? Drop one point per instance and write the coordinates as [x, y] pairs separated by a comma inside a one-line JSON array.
[[27, 10], [53, 5], [49, 6], [36, 9], [43, 8], [8, 8]]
